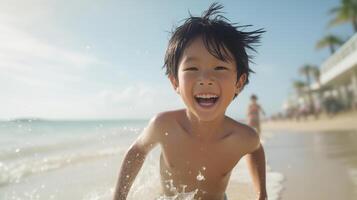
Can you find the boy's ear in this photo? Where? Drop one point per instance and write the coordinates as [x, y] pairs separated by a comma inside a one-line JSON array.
[[241, 82], [174, 83]]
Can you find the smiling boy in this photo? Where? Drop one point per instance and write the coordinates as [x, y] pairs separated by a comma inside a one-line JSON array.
[[207, 64]]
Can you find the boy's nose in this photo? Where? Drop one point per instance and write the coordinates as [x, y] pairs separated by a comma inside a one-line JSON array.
[[205, 78], [205, 83]]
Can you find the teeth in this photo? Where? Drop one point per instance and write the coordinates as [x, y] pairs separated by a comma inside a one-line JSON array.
[[206, 96]]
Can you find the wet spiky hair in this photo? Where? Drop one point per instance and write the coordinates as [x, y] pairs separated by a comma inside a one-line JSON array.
[[218, 34]]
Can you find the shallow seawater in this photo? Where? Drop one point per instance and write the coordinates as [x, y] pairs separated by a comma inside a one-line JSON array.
[[320, 165], [80, 160]]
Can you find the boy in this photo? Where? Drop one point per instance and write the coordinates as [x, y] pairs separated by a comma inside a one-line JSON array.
[[207, 65]]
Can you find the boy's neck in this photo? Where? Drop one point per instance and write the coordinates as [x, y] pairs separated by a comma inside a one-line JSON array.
[[204, 130]]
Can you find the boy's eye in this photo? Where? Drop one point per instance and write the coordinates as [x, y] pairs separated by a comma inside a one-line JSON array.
[[190, 69], [220, 68]]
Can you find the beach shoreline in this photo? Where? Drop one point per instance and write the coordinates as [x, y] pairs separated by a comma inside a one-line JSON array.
[[340, 122]]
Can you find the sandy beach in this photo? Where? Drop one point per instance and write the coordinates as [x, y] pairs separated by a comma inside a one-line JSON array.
[[318, 158], [341, 122]]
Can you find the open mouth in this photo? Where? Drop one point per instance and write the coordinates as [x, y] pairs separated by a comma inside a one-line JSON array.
[[206, 100]]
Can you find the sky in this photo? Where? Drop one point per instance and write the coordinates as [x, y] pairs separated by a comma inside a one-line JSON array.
[[90, 59]]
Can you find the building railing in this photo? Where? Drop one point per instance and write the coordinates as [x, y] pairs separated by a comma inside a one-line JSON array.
[[346, 49]]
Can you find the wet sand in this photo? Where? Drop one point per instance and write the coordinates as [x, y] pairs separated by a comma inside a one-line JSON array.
[[316, 166]]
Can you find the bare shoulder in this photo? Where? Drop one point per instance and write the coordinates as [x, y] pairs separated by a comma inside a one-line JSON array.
[[247, 138], [154, 131], [165, 120]]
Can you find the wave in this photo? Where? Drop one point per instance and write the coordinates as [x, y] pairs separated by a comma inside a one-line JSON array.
[[19, 152], [50, 144], [14, 172]]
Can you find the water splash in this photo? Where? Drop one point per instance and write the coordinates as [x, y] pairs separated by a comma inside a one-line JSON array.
[[180, 196], [200, 176], [171, 186]]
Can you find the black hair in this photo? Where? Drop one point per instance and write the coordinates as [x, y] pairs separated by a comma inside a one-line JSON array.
[[218, 34], [254, 97]]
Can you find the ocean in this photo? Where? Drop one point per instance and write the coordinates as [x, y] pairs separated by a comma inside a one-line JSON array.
[[80, 160]]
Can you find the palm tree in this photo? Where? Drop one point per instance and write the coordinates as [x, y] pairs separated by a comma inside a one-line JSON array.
[[315, 71], [299, 87], [306, 71], [346, 12], [330, 41]]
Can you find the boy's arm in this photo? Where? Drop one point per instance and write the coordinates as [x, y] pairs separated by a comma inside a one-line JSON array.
[[256, 166], [130, 167], [134, 159]]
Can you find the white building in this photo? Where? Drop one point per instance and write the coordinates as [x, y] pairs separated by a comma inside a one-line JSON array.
[[338, 74]]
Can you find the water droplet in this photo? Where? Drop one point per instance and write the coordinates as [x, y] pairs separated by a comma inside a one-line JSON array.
[[173, 189], [200, 177], [183, 188], [167, 172], [171, 185], [204, 168]]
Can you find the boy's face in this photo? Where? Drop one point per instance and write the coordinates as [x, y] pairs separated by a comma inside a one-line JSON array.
[[206, 84]]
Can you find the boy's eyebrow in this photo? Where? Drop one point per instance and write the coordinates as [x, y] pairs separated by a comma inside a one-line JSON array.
[[192, 59]]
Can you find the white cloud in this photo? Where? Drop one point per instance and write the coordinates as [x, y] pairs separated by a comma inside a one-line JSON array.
[[40, 78], [19, 50], [138, 101], [37, 75]]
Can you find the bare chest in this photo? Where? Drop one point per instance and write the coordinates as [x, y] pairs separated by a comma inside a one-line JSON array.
[[197, 164]]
